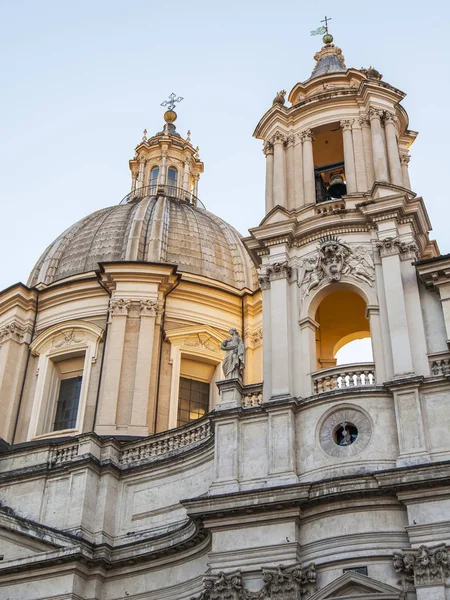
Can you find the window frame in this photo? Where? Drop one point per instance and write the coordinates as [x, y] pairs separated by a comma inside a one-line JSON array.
[[61, 342]]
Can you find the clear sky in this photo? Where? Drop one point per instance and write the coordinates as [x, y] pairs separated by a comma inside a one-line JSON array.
[[81, 79]]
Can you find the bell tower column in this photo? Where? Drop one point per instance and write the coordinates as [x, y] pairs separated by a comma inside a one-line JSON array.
[[290, 184], [279, 170], [395, 168], [349, 159], [368, 155], [404, 161], [309, 185], [186, 174], [298, 171], [360, 166], [268, 151], [379, 155]]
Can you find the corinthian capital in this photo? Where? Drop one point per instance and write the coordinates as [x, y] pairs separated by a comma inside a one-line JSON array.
[[404, 159], [364, 121], [119, 306], [290, 140], [424, 565], [278, 138], [148, 308], [346, 125], [307, 136], [268, 148], [389, 117], [388, 247], [12, 331], [375, 113]]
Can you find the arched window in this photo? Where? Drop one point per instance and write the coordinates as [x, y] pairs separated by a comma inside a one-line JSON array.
[[172, 177], [154, 174]]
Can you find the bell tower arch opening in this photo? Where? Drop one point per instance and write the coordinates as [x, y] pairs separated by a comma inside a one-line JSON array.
[[341, 316], [329, 171]]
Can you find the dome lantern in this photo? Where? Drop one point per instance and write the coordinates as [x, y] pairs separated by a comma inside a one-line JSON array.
[[166, 164]]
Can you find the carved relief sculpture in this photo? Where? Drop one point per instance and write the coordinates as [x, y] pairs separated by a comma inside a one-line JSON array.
[[233, 363], [332, 260], [12, 331], [119, 307]]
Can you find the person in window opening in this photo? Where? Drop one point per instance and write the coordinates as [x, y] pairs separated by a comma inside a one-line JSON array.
[[233, 363]]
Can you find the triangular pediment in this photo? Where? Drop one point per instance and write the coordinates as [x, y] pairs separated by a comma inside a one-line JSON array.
[[20, 538], [276, 215], [354, 586]]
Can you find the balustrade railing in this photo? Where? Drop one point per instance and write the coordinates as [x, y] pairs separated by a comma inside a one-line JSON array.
[[439, 363], [252, 395], [343, 377], [173, 440], [163, 190]]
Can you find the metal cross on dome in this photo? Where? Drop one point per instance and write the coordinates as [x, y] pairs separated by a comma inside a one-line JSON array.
[[170, 103]]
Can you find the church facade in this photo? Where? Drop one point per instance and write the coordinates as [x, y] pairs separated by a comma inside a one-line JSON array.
[[175, 423]]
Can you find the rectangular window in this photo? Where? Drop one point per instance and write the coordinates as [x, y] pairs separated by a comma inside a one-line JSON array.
[[193, 400], [67, 403]]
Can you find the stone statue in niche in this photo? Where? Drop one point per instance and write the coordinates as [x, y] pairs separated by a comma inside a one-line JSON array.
[[233, 363], [331, 261]]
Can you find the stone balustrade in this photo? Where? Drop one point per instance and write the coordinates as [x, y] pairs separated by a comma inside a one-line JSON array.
[[167, 443], [252, 395], [343, 376], [62, 454], [439, 363], [329, 207]]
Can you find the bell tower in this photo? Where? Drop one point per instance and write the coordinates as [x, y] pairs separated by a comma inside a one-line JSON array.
[[340, 242], [166, 164]]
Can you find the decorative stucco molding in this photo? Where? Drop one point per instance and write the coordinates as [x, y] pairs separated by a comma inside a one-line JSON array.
[[282, 583], [423, 566], [12, 331], [331, 261]]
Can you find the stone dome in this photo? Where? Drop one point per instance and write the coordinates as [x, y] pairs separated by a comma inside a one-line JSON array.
[[150, 229]]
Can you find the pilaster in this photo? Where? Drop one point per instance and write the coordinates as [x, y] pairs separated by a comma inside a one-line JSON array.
[[368, 154], [396, 306], [404, 161], [290, 182], [298, 171]]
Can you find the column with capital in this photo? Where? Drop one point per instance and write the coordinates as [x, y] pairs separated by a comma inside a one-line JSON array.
[[358, 151], [140, 177], [404, 161], [298, 171], [268, 152], [279, 170], [162, 170], [395, 168], [368, 154], [186, 174], [290, 183], [196, 178], [309, 184], [349, 158], [134, 176], [379, 154]]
